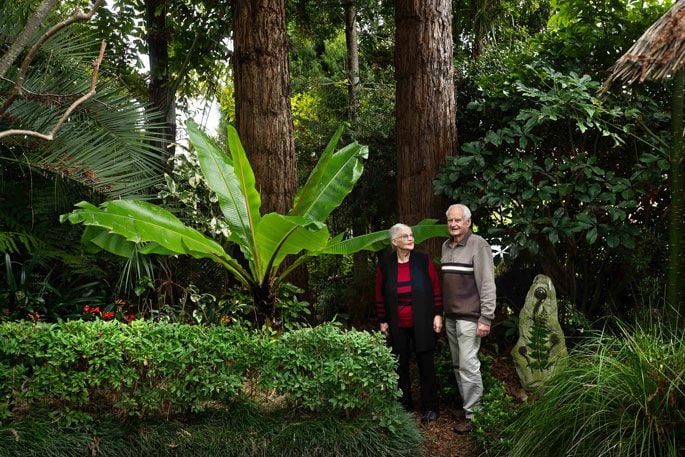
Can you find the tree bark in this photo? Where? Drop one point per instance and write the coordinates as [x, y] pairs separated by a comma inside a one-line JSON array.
[[425, 129], [675, 288], [352, 43], [29, 30], [262, 96], [161, 95]]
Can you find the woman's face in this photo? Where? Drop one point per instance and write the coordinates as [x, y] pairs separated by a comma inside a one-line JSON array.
[[404, 240]]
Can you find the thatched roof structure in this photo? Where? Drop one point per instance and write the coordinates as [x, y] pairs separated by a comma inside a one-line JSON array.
[[658, 53]]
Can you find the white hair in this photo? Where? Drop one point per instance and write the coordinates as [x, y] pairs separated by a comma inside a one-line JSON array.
[[465, 209], [396, 228]]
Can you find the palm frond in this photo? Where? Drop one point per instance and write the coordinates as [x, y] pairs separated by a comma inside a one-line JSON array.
[[658, 53], [10, 242], [106, 144]]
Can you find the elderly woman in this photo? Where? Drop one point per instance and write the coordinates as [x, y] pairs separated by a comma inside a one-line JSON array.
[[409, 309]]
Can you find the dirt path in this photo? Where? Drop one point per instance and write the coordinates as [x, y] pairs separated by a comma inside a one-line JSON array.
[[440, 439]]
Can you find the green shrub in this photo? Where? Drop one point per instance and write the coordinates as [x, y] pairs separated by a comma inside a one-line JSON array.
[[621, 396], [154, 369], [323, 367], [137, 369]]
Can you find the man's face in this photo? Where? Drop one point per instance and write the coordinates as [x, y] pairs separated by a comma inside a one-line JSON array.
[[456, 224]]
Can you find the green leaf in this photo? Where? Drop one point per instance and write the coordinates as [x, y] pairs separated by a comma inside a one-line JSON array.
[[591, 235], [278, 235], [331, 181], [233, 181], [139, 221], [95, 239]]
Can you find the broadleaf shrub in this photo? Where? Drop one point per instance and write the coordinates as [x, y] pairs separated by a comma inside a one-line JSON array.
[[322, 367], [159, 370]]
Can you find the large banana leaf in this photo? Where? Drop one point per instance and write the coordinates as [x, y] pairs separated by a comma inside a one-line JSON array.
[[142, 222], [331, 180], [279, 235], [376, 241], [233, 182], [427, 229], [96, 239]]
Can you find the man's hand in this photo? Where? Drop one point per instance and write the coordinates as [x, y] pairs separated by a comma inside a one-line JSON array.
[[385, 329], [482, 329], [437, 324]]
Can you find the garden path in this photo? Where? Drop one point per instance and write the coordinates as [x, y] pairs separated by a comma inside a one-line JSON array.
[[439, 437]]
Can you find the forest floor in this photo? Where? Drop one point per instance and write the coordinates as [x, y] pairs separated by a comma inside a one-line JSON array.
[[440, 438]]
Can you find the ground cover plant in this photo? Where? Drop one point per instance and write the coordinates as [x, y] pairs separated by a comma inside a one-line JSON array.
[[622, 395], [246, 430]]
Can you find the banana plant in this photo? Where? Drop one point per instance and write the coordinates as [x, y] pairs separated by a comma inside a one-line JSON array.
[[119, 226]]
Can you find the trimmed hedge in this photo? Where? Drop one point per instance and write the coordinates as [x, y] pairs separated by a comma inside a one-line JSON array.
[[145, 369]]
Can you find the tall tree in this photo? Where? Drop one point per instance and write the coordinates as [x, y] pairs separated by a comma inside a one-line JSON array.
[[185, 42], [425, 129], [262, 95], [161, 97], [352, 60]]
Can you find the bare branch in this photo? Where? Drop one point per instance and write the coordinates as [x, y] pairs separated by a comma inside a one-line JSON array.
[[50, 136], [19, 82]]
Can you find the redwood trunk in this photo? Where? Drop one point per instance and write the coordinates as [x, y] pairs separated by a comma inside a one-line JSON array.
[[262, 95], [425, 130], [352, 43], [161, 96]]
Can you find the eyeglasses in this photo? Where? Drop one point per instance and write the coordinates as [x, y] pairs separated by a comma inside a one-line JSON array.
[[404, 237]]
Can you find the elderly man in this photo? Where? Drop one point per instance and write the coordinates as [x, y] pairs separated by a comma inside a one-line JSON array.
[[469, 298]]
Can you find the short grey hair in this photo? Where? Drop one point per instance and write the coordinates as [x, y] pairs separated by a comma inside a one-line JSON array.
[[465, 209], [396, 228]]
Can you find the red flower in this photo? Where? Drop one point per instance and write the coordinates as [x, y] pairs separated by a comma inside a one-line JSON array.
[[129, 317], [108, 314], [95, 310], [86, 309]]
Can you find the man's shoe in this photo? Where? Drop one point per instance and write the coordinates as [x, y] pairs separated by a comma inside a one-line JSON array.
[[463, 427], [429, 416]]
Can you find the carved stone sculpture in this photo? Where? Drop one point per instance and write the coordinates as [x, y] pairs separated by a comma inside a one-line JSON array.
[[541, 347]]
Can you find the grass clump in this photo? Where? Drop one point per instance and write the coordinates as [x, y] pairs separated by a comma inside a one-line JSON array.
[[622, 395], [245, 430]]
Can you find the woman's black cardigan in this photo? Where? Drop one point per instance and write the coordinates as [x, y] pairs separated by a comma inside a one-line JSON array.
[[423, 306]]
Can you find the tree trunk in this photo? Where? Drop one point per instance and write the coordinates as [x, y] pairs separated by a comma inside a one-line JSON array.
[[22, 40], [425, 129], [675, 294], [262, 97], [351, 41], [162, 98]]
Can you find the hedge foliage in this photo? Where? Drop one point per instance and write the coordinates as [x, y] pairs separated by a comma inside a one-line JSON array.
[[157, 370]]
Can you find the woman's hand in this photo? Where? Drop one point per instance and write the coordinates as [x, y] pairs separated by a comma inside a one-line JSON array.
[[385, 329], [437, 324]]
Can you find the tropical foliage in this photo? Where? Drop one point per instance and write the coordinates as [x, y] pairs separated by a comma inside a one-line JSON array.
[[103, 148], [622, 395], [264, 240]]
